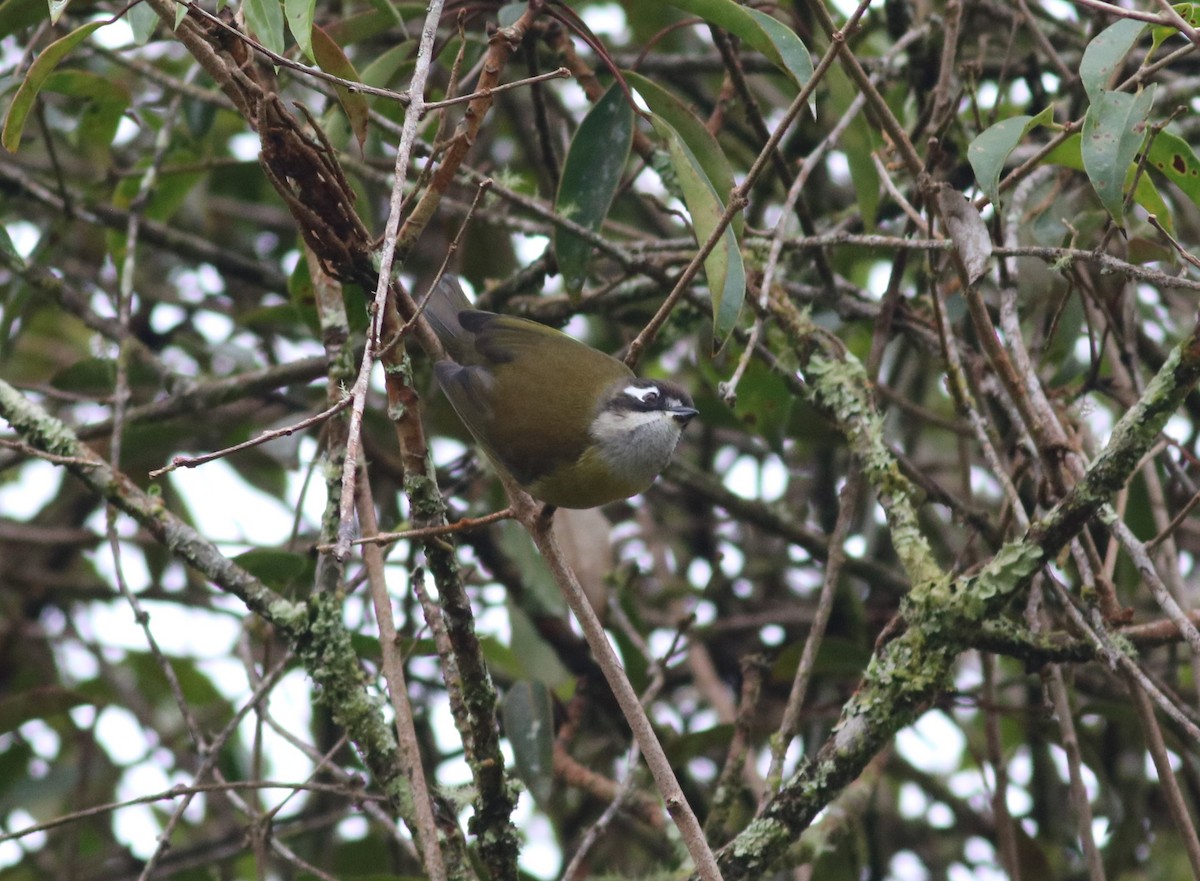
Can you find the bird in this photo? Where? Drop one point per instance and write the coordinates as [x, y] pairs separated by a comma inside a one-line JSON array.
[[573, 426]]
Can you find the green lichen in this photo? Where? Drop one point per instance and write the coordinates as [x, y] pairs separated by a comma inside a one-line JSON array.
[[287, 614], [757, 839], [1002, 575], [840, 385], [949, 604]]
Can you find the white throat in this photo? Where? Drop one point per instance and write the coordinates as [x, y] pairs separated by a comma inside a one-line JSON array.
[[636, 444]]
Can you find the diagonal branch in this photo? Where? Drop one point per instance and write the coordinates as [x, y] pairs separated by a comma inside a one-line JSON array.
[[941, 613]]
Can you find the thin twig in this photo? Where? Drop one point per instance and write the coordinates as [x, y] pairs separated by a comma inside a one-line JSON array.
[[541, 529], [467, 523], [1069, 740], [284, 61], [559, 74], [352, 791], [264, 437], [393, 672], [412, 119], [26, 450], [1169, 786], [740, 195], [788, 726]]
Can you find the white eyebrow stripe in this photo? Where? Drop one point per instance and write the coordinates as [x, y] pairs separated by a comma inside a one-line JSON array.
[[640, 392]]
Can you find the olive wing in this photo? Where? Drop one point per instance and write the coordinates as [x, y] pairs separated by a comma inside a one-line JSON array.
[[528, 392]]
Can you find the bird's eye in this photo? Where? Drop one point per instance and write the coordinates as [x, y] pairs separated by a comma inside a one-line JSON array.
[[651, 397]]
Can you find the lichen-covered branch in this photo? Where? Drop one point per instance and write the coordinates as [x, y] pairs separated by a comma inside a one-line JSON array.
[[313, 629], [838, 387], [905, 674]]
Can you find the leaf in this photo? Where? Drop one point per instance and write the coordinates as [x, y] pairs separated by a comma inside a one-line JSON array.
[[723, 266], [793, 54], [105, 103], [331, 59], [88, 376], [712, 159], [1113, 133], [1189, 12], [1175, 159], [357, 27], [174, 184], [42, 67], [508, 14], [992, 147], [17, 15], [1106, 53], [199, 115], [764, 404], [590, 176], [167, 197], [299, 14], [769, 36], [1070, 155], [265, 21], [12, 256], [384, 67], [529, 725], [277, 568], [967, 230], [859, 143], [142, 20]]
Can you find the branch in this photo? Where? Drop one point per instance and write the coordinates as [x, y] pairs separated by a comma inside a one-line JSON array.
[[314, 629], [907, 673], [540, 527]]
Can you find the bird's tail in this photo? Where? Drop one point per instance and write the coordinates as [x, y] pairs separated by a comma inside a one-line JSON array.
[[442, 308]]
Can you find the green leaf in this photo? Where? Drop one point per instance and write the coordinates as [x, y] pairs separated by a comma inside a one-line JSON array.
[[384, 67], [299, 15], [793, 54], [529, 725], [694, 133], [89, 376], [371, 23], [142, 21], [769, 36], [992, 147], [276, 568], [265, 21], [507, 15], [1070, 155], [1174, 158], [1189, 12], [331, 59], [1106, 53], [859, 143], [1113, 132], [169, 195], [590, 176], [199, 115], [764, 404], [723, 266], [17, 15], [42, 67], [105, 102]]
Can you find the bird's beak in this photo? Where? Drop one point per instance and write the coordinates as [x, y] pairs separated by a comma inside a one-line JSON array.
[[684, 415]]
